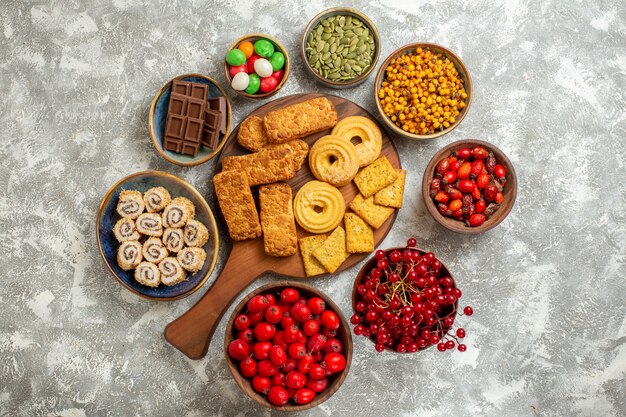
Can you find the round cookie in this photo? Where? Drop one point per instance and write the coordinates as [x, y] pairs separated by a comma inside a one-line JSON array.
[[318, 207], [333, 160], [366, 130]]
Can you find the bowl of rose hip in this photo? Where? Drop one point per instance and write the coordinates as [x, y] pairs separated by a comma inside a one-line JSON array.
[[288, 346], [469, 186], [405, 300]]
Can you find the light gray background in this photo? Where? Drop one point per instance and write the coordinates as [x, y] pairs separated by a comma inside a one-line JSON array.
[[549, 334]]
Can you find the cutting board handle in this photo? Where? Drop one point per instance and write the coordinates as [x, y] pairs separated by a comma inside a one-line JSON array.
[[192, 332]]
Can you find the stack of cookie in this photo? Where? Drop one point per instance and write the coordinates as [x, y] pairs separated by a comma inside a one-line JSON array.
[[335, 161]]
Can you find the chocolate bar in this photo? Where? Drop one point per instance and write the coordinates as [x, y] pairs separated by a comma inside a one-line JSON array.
[[211, 134], [219, 104], [185, 117]]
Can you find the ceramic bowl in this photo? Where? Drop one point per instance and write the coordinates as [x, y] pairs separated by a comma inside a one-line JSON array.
[[372, 263], [343, 335], [108, 244], [277, 47], [346, 11], [157, 118], [461, 68], [509, 190]]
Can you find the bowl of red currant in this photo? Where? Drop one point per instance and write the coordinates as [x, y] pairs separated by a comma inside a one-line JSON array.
[[288, 346], [405, 300], [469, 186]]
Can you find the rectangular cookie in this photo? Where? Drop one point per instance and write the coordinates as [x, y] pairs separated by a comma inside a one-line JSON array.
[[277, 221], [359, 236], [332, 253], [279, 163], [307, 245], [252, 134], [375, 177], [371, 212], [237, 205], [392, 195], [300, 120]]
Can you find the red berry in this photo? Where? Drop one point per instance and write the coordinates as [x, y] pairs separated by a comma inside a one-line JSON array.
[[316, 305], [333, 345], [291, 334], [277, 355], [468, 311], [296, 350], [310, 328], [482, 181], [464, 153], [239, 349], [290, 365], [264, 331], [316, 343], [355, 318], [462, 348], [261, 350], [257, 303], [246, 335], [304, 396], [279, 379], [454, 194], [464, 171], [499, 198], [300, 312], [330, 320], [248, 367], [450, 344], [286, 320], [242, 322], [295, 380], [480, 206], [279, 338], [479, 153], [443, 166], [491, 191], [289, 295], [278, 395], [477, 168], [456, 205], [317, 385], [256, 318], [271, 300], [442, 197], [449, 177], [460, 332], [304, 363], [334, 362], [476, 220], [267, 368], [499, 171], [261, 384], [273, 314], [467, 186], [441, 347], [316, 371]]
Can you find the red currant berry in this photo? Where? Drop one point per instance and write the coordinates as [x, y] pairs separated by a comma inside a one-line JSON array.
[[434, 339], [450, 344], [382, 264], [441, 347], [448, 321], [462, 348], [460, 332], [468, 311]]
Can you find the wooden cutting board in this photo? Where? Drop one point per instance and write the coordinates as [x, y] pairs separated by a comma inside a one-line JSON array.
[[191, 333]]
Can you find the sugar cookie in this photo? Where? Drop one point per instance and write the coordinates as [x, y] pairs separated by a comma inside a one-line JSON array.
[[333, 160], [367, 131], [319, 207]]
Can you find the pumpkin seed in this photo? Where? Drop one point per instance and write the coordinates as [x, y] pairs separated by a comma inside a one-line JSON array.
[[320, 46], [326, 56], [333, 48], [337, 62], [326, 48], [333, 76], [326, 36]]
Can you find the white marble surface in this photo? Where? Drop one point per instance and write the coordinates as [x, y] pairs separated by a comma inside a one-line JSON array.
[[549, 334]]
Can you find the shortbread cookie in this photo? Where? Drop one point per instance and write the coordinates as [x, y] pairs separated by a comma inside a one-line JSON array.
[[237, 205], [369, 211], [359, 235], [252, 134], [307, 245], [156, 199], [125, 230], [393, 194], [332, 253], [300, 120], [148, 274], [299, 148], [195, 233], [367, 131], [277, 221], [130, 204], [129, 255], [191, 259], [171, 271], [375, 177], [333, 160], [149, 224], [319, 207]]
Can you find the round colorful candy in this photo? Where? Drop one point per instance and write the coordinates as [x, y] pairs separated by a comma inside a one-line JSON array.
[[264, 48], [247, 48], [234, 70], [253, 84], [251, 62], [277, 60], [268, 84], [235, 57], [263, 67], [240, 81], [278, 74]]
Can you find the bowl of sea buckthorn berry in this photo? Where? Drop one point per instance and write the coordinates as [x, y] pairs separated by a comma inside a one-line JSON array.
[[469, 186], [288, 346], [405, 300], [423, 91]]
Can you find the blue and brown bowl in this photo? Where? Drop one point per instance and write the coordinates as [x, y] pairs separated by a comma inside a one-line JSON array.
[[158, 116], [108, 244]]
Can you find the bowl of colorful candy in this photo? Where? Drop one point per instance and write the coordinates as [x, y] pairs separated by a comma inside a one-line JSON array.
[[340, 47], [288, 346], [405, 300], [423, 91], [256, 66], [469, 186]]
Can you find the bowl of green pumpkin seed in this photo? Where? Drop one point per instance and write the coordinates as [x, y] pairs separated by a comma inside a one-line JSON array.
[[340, 47]]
